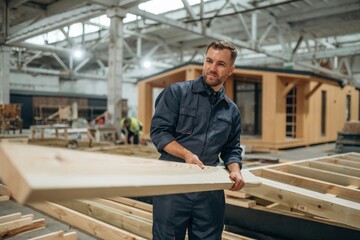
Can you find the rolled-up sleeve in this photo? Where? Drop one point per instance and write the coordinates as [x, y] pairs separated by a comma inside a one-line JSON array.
[[164, 121], [231, 151]]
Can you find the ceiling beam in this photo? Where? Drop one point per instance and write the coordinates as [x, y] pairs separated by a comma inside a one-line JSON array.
[[54, 22]]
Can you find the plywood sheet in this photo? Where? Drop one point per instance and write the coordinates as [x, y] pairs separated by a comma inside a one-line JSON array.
[[35, 173]]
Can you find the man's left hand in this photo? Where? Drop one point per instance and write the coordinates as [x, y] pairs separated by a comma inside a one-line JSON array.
[[239, 183]]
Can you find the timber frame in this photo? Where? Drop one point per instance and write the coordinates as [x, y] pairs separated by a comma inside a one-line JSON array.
[[327, 186]]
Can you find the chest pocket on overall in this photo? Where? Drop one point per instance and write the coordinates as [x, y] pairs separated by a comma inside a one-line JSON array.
[[186, 120], [222, 126]]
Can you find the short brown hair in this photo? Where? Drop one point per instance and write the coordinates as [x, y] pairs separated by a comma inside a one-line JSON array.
[[223, 44]]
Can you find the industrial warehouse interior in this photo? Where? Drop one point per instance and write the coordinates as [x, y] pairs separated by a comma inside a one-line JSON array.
[[74, 73]]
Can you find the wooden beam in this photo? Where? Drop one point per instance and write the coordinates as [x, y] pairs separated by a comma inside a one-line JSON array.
[[125, 208], [331, 177], [351, 171], [113, 216], [88, 224], [36, 173], [289, 87], [131, 202], [308, 95], [343, 162], [59, 235], [312, 184], [10, 217], [22, 225]]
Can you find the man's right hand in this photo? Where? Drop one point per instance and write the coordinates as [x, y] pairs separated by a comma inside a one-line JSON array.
[[177, 150], [193, 159]]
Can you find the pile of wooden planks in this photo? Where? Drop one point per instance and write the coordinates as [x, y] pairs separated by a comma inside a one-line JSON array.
[[111, 218], [14, 224]]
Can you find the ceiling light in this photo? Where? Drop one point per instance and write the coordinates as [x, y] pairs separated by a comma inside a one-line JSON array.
[[147, 64], [78, 53]]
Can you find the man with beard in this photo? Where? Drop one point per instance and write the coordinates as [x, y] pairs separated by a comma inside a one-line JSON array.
[[195, 122]]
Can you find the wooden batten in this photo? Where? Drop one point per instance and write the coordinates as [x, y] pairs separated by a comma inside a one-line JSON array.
[[91, 225], [35, 173]]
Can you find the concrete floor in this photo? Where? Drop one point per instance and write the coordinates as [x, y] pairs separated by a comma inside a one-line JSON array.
[[10, 207], [300, 153]]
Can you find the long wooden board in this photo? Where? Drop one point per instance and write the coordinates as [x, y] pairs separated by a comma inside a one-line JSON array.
[[35, 173]]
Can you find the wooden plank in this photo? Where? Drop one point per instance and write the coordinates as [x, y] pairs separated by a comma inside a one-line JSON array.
[[8, 226], [120, 219], [10, 217], [125, 208], [342, 162], [334, 168], [236, 194], [133, 203], [312, 184], [327, 176], [247, 203], [21, 226], [35, 173], [88, 224], [341, 210], [59, 235], [351, 157]]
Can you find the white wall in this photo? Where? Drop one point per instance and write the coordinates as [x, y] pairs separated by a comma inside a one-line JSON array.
[[99, 87], [34, 82]]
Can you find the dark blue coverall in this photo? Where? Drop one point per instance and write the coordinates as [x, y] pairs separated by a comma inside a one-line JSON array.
[[208, 126]]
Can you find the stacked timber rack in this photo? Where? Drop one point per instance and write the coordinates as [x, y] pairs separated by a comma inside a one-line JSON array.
[[348, 140], [111, 218]]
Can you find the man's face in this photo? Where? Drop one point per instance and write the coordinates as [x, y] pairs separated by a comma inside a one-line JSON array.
[[217, 67]]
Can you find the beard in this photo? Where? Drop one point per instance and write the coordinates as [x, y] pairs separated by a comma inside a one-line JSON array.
[[213, 79]]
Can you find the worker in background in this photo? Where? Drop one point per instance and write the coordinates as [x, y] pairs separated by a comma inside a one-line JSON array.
[[195, 122], [131, 127]]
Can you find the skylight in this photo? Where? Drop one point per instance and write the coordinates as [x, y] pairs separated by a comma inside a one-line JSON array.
[[97, 23]]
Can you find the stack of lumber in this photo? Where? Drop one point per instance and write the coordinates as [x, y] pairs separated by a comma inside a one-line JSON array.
[[111, 218], [349, 139], [15, 224], [4, 193]]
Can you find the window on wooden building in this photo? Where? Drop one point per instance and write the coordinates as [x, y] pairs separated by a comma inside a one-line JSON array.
[[348, 107], [248, 99], [323, 113], [291, 114]]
